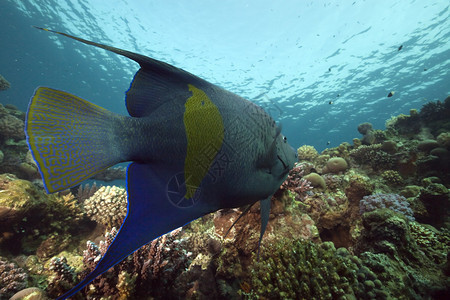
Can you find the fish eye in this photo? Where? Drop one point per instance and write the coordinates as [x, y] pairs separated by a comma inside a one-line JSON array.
[[285, 139]]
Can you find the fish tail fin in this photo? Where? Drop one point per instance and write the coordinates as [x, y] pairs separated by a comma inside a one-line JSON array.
[[70, 138]]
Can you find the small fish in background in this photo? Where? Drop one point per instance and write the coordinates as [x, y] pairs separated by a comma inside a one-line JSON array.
[[180, 131], [425, 69], [331, 102], [329, 69], [328, 143], [338, 95], [391, 93], [400, 48]]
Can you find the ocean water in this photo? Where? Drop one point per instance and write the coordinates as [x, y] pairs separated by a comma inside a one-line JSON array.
[[319, 68], [292, 58]]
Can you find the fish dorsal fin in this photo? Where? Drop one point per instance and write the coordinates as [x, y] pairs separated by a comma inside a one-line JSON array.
[[154, 84], [265, 213]]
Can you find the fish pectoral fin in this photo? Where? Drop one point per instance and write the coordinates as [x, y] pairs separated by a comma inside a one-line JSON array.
[[265, 213], [156, 205], [246, 210]]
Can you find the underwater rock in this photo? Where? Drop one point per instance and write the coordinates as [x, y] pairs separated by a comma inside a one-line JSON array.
[[389, 249], [53, 245], [436, 198], [11, 127], [444, 139], [406, 125], [386, 231], [368, 133], [427, 145], [410, 191], [389, 146], [442, 153]]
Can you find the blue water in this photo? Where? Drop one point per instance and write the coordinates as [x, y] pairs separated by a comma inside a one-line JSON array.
[[291, 57]]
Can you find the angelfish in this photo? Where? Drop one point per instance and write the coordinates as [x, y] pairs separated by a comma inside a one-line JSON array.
[[194, 147]]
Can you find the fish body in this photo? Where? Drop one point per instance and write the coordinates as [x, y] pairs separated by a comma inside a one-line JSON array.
[[194, 147]]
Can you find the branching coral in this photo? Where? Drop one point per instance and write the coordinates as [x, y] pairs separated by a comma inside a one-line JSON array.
[[392, 177], [108, 206], [86, 191], [144, 272], [373, 156], [304, 270], [12, 279], [296, 184]]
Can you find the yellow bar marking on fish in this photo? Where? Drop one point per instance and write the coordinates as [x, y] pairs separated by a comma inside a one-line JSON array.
[[205, 132]]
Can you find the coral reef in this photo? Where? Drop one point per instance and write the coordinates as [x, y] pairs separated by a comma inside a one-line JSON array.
[[4, 84], [32, 293], [151, 270], [306, 152], [335, 165], [28, 215], [388, 248], [12, 279], [372, 156], [361, 198], [367, 131], [394, 202], [108, 206], [304, 270], [295, 183]]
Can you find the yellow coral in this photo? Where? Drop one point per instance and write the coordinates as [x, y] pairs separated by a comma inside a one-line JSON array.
[[392, 177], [108, 206], [307, 152], [126, 285]]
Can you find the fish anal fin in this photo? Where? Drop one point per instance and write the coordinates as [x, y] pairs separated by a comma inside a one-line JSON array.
[[150, 214]]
